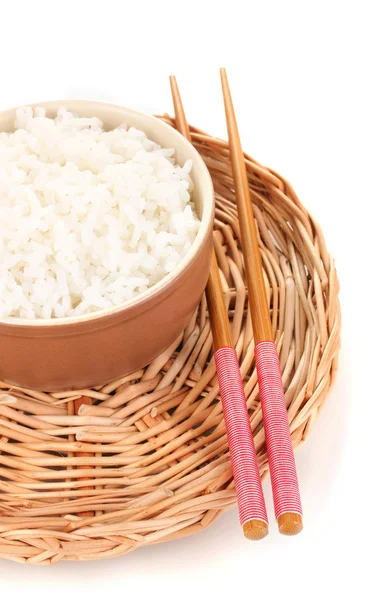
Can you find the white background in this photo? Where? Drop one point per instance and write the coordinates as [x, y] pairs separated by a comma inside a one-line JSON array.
[[306, 82]]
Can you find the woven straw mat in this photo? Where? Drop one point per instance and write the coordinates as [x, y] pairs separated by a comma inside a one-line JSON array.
[[156, 467]]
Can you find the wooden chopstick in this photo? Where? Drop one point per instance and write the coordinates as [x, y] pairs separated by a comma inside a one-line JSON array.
[[283, 473], [251, 503]]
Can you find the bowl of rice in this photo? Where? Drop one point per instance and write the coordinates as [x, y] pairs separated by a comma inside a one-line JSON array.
[[106, 218]]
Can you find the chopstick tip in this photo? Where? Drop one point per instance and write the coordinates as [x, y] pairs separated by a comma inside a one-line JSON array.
[[173, 85], [223, 73]]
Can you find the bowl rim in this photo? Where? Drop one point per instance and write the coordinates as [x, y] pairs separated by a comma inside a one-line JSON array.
[[166, 282]]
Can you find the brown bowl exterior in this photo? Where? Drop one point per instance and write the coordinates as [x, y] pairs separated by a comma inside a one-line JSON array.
[[94, 352], [100, 347]]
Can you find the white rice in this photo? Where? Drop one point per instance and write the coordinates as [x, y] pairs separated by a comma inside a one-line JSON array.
[[88, 218]]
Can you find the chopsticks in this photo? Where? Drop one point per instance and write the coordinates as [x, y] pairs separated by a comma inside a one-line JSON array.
[[251, 503], [284, 480]]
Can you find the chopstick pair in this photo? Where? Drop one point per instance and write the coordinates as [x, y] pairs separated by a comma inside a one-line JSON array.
[[284, 481], [251, 503]]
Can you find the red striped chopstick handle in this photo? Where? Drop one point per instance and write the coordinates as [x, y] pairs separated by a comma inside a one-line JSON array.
[[283, 474], [251, 503]]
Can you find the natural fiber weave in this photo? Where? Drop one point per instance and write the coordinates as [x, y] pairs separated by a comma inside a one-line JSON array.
[[154, 443]]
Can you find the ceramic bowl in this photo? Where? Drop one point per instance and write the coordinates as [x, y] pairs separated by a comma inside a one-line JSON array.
[[93, 349]]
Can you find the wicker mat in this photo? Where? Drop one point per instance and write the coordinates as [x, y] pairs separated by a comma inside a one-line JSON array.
[[144, 459]]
